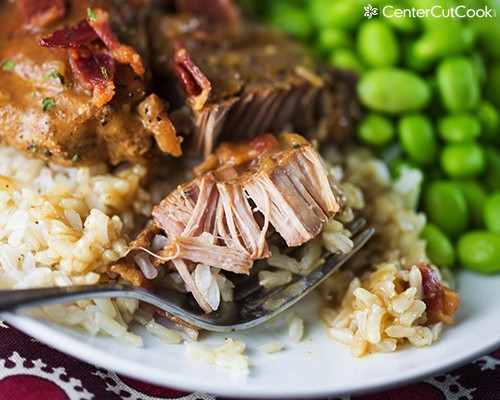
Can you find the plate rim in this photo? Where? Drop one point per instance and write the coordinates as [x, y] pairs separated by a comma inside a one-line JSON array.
[[84, 351]]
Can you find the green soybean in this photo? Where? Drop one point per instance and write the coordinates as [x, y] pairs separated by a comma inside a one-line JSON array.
[[479, 251], [492, 87], [416, 136], [439, 247], [377, 44], [333, 38], [346, 59], [375, 130], [291, 20], [458, 128], [492, 213], [463, 160], [475, 196], [393, 91], [344, 14], [492, 175], [490, 121], [445, 40], [445, 205], [458, 84]]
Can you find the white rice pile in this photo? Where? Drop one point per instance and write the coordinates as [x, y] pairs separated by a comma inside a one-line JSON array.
[[375, 313], [66, 226], [230, 354]]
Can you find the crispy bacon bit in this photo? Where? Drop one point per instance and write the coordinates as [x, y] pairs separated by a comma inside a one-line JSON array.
[[71, 38], [89, 69], [153, 111], [94, 66], [194, 82], [222, 11], [441, 303], [122, 53], [41, 12]]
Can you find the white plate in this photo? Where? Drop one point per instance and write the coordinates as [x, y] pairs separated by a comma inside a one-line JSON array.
[[314, 367]]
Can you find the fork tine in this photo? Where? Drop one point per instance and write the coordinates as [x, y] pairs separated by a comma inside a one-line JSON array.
[[248, 286]]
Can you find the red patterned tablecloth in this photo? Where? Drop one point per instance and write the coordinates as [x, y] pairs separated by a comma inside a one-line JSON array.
[[30, 370]]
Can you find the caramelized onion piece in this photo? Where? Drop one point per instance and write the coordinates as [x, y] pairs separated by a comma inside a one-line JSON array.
[[153, 111]]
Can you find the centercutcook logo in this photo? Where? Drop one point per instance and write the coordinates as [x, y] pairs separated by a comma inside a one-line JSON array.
[[436, 11]]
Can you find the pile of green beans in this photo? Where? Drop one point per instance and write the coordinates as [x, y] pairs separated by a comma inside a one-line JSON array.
[[431, 92]]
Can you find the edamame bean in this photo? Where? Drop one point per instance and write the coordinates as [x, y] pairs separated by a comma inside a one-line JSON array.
[[445, 40], [492, 87], [332, 38], [492, 176], [492, 213], [346, 59], [458, 84], [377, 44], [475, 196], [344, 14], [445, 205], [291, 19], [439, 247], [417, 139], [479, 251], [393, 91], [459, 128], [463, 160], [375, 130], [490, 120]]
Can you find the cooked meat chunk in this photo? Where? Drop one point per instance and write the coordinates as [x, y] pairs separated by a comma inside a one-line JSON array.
[[242, 79], [76, 97], [222, 218]]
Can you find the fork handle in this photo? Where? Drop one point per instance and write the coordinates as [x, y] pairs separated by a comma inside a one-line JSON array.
[[12, 299]]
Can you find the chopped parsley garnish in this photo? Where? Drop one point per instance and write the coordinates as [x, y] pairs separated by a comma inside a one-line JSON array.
[[104, 72], [47, 104], [92, 15], [69, 85], [8, 65], [56, 75], [33, 149], [75, 158], [32, 93], [69, 34]]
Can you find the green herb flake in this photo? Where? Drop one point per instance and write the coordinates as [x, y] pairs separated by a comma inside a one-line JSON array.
[[32, 93], [75, 158], [21, 136], [56, 75], [8, 65], [92, 15], [33, 149], [69, 34], [47, 104], [69, 85], [104, 72]]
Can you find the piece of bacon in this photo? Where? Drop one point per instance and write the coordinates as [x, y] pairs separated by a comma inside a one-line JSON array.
[[94, 67], [194, 82], [122, 53], [41, 12], [71, 38], [94, 72], [441, 303], [221, 11]]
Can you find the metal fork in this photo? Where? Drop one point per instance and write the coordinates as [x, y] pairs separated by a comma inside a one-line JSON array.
[[252, 305]]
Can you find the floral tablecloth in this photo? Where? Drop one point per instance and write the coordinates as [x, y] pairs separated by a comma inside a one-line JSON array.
[[30, 370]]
